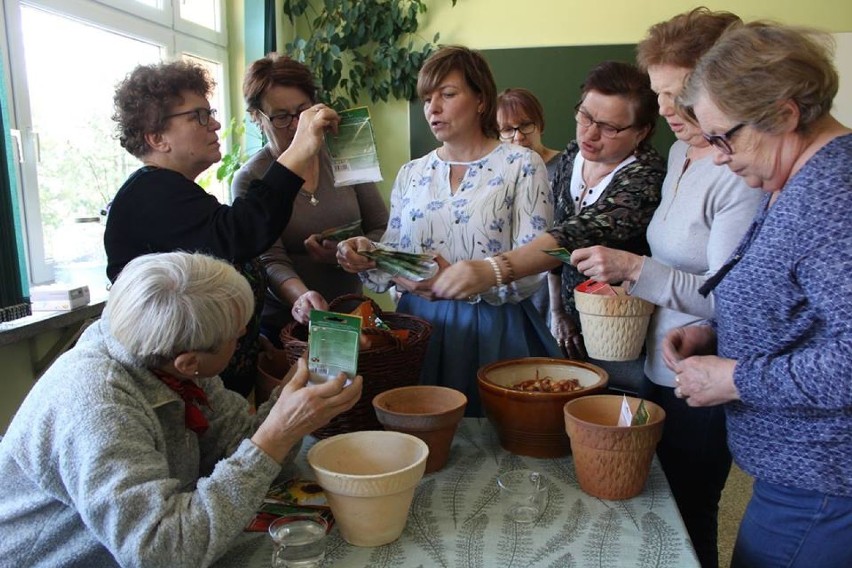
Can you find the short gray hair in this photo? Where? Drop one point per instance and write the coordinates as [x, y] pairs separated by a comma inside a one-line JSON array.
[[166, 304], [751, 70]]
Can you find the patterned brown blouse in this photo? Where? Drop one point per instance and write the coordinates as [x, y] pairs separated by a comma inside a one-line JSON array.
[[618, 218]]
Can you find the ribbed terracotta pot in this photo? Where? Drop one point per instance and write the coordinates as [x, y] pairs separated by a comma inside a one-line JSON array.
[[369, 479], [432, 413], [611, 461]]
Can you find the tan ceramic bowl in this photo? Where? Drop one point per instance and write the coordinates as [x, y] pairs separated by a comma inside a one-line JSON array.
[[533, 423], [369, 479], [432, 413]]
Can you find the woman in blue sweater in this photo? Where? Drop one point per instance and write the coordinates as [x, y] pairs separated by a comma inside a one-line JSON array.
[[782, 336]]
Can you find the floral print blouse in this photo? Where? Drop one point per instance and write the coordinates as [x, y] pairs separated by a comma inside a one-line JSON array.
[[618, 219], [504, 201]]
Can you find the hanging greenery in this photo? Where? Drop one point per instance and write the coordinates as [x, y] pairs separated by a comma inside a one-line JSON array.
[[356, 47]]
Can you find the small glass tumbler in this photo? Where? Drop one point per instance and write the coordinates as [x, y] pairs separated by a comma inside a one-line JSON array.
[[523, 495], [299, 541]]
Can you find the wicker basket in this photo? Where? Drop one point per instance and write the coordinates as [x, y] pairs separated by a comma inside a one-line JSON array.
[[384, 367], [614, 327]]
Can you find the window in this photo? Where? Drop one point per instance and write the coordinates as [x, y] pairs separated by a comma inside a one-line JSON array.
[[70, 164]]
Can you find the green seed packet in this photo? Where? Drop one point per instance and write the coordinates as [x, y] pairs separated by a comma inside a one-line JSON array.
[[561, 253], [642, 415], [333, 345]]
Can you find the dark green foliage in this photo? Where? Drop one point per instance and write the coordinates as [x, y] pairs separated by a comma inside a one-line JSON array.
[[360, 47]]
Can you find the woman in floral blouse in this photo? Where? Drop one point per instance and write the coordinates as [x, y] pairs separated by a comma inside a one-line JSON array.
[[472, 198], [607, 187]]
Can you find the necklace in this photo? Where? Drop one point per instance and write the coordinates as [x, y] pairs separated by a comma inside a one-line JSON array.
[[312, 199]]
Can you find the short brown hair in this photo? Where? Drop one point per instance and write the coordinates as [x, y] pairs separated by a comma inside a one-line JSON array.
[[148, 94], [682, 40], [276, 69], [753, 70], [522, 101], [477, 75], [628, 81]]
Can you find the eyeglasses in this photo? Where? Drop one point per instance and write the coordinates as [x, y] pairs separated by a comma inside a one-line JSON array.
[[607, 130], [284, 119], [202, 115], [526, 129], [723, 141]]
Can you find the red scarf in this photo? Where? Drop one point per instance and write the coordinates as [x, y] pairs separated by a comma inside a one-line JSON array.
[[193, 397]]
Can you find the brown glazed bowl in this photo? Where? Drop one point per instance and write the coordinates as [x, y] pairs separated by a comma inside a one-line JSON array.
[[533, 423], [429, 412]]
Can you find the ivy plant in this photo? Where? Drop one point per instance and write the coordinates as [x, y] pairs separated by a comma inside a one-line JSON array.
[[360, 47]]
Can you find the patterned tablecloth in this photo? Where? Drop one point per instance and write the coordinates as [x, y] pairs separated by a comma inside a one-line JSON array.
[[455, 520]]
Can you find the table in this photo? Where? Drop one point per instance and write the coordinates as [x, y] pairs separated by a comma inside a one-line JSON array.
[[454, 520]]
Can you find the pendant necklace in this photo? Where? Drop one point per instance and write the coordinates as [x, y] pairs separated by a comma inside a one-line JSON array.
[[312, 198]]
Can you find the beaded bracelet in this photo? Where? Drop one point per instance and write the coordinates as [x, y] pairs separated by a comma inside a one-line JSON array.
[[510, 272], [496, 267]]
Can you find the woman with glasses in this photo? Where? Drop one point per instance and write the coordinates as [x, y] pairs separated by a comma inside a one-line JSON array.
[[165, 120], [607, 186], [779, 355], [472, 197], [703, 214], [520, 118], [301, 266]]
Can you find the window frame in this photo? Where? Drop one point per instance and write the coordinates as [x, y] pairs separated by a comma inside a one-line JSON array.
[[124, 17]]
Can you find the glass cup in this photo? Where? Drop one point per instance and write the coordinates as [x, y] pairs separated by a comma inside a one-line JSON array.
[[523, 495], [299, 541]]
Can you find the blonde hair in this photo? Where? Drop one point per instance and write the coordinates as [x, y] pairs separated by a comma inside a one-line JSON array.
[[166, 304], [753, 70]]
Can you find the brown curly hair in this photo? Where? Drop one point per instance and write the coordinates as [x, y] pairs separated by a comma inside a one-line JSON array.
[[148, 94]]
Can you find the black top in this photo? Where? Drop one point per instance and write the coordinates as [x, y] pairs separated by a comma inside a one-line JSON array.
[[159, 210]]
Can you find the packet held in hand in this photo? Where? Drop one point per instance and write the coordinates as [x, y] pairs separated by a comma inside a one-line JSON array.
[[409, 265], [342, 232], [354, 158], [333, 345], [561, 253]]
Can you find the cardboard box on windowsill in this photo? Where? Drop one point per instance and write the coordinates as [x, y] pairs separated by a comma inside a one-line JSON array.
[[58, 297]]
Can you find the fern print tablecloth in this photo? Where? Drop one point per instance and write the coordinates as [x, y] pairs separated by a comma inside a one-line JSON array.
[[455, 520]]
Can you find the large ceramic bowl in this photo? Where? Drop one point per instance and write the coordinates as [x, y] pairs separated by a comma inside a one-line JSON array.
[[533, 423], [369, 479]]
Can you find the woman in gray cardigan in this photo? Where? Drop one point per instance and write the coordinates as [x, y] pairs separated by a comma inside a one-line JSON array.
[[129, 451], [704, 213]]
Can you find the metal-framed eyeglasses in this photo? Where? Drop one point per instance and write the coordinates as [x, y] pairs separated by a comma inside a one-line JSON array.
[[525, 128], [202, 115], [606, 129], [723, 141], [284, 119]]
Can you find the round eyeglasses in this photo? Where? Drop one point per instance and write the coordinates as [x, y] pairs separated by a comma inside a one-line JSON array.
[[202, 115], [607, 130], [723, 141], [526, 129], [284, 119]]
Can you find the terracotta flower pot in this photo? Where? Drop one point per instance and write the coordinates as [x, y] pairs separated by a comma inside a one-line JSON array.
[[271, 369], [611, 461], [369, 479], [431, 413], [532, 423]]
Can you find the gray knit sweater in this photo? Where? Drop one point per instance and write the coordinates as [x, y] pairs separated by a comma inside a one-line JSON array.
[[702, 216], [98, 468]]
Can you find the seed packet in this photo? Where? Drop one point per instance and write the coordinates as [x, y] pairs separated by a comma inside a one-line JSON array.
[[417, 267], [332, 345], [561, 253], [641, 416], [342, 232]]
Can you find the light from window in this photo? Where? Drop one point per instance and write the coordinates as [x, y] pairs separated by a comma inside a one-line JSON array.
[[202, 12], [81, 164]]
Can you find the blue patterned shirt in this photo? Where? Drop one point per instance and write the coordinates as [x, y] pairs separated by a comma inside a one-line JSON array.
[[785, 314]]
